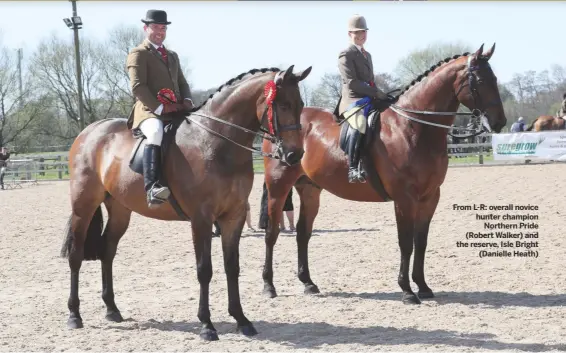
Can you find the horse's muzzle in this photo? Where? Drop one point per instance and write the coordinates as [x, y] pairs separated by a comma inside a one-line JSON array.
[[293, 158]]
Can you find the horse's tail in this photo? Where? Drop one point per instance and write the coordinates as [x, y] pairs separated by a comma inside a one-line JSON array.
[[530, 127], [95, 242]]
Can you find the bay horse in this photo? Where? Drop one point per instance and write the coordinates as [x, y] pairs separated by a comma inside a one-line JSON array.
[[406, 161], [547, 122], [209, 170]]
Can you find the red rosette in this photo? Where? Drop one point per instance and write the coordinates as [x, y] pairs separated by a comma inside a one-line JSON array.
[[270, 91], [166, 96]]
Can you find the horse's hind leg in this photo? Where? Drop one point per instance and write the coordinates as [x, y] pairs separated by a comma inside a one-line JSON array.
[[426, 211], [231, 229], [310, 203], [202, 240], [83, 239], [118, 221]]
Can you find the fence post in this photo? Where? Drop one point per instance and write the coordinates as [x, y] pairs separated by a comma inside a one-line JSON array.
[[42, 166], [29, 167], [59, 167]]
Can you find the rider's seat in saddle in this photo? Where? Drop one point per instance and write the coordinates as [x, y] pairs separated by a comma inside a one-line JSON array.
[[136, 157], [361, 151]]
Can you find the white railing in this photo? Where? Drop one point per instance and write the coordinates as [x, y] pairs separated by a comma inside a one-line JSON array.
[[54, 166]]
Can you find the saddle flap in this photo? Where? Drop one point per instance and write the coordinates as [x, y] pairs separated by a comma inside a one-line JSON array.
[[136, 157]]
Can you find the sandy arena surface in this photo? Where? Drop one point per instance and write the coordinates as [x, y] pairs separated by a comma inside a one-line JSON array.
[[481, 304]]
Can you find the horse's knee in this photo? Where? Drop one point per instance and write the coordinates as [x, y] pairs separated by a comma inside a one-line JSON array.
[[271, 235], [204, 272], [231, 264]]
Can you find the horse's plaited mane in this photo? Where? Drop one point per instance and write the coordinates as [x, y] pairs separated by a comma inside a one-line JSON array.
[[236, 79], [430, 70]]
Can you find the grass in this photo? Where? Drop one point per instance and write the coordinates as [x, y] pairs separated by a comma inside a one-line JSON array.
[[470, 159]]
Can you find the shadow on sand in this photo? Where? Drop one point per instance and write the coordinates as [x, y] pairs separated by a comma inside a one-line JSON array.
[[319, 334], [490, 299]]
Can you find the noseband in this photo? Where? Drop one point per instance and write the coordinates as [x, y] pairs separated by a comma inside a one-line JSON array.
[[274, 128], [478, 117]]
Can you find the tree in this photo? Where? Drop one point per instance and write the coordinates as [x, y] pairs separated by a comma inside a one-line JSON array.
[[327, 92], [112, 62], [54, 67], [505, 93], [306, 93], [386, 82], [17, 108], [420, 60]]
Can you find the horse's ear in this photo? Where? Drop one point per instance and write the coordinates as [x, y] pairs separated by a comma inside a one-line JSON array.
[[302, 75], [564, 96], [489, 52], [288, 73], [478, 53]]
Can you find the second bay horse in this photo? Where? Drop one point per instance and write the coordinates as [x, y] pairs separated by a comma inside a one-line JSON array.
[[547, 122], [408, 154]]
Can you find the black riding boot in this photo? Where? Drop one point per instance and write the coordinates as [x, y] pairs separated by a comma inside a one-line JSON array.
[[361, 171], [156, 194], [354, 157]]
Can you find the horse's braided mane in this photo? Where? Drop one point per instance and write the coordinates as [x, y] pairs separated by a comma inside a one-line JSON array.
[[236, 79], [430, 70]]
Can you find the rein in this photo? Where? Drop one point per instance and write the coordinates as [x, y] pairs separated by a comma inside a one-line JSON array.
[[269, 113], [478, 116], [263, 134]]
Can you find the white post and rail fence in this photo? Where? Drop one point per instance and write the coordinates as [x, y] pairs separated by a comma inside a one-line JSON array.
[[485, 149]]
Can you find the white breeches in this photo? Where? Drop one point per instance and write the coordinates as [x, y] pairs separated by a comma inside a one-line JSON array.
[[152, 128]]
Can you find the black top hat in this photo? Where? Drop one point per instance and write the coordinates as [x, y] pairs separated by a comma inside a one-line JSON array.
[[156, 16]]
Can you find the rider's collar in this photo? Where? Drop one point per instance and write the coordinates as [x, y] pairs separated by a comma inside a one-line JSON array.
[[154, 45]]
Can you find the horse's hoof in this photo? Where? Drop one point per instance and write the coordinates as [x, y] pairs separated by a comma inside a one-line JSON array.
[[311, 289], [247, 330], [114, 316], [208, 334], [269, 292], [426, 294], [74, 323], [411, 299]]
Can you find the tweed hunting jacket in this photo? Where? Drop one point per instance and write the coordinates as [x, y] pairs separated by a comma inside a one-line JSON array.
[[149, 73]]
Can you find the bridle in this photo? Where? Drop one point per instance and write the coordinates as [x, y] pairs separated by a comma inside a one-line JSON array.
[[478, 116], [269, 117]]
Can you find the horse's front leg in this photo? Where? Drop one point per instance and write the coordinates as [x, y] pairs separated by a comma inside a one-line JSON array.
[[426, 211], [310, 203], [405, 214], [202, 239], [231, 230], [275, 201]]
